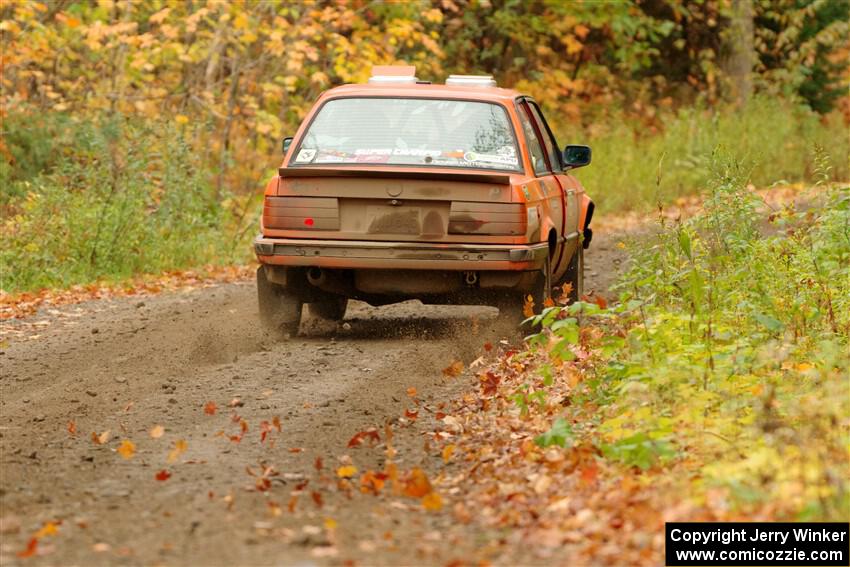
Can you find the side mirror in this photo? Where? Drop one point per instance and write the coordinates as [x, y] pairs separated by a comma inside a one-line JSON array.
[[286, 143], [576, 156]]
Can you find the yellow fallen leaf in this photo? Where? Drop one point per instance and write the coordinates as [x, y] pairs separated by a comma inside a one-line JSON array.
[[330, 523], [180, 447], [432, 502], [448, 451], [181, 119], [157, 431], [803, 366], [347, 471], [127, 449], [48, 529]]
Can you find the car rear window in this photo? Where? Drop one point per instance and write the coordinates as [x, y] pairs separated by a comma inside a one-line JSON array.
[[410, 131]]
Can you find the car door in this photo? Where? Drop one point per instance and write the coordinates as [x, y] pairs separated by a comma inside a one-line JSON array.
[[560, 204]]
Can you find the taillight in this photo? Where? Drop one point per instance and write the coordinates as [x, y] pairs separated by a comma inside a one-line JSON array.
[[508, 219], [301, 213]]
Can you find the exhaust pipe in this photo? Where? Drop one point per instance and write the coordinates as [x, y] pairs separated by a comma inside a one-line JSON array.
[[471, 278], [316, 276]]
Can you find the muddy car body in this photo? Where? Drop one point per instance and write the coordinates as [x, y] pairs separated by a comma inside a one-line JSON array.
[[396, 190]]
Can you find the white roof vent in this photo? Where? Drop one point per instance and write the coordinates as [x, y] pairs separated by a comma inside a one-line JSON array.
[[395, 74], [471, 81]]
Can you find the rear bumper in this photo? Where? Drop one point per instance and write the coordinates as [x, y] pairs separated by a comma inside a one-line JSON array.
[[399, 255]]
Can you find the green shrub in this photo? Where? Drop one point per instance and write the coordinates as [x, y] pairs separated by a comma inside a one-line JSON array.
[[107, 199]]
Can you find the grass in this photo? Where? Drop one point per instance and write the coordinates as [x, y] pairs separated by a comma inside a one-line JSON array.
[[775, 141]]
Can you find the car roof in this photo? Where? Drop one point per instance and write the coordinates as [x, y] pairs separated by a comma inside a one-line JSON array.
[[484, 94]]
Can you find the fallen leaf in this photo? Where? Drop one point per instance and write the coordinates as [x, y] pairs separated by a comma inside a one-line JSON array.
[[411, 414], [317, 498], [180, 447], [346, 471], [32, 546], [489, 383], [528, 306], [48, 529], [100, 439], [157, 431], [432, 502], [209, 408], [127, 449], [162, 475], [370, 434], [448, 451], [236, 403], [372, 482], [318, 464], [330, 524], [416, 483], [296, 449], [411, 392], [453, 370], [276, 423], [72, 428], [488, 346], [101, 547]]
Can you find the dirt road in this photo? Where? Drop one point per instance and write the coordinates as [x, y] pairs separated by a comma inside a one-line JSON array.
[[125, 366]]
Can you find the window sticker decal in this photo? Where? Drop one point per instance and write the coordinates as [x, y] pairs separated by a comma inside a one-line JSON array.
[[305, 156]]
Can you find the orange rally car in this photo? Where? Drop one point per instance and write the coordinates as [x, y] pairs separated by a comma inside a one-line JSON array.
[[401, 189]]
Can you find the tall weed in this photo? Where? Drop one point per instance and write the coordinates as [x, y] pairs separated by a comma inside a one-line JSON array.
[[121, 199], [774, 139]]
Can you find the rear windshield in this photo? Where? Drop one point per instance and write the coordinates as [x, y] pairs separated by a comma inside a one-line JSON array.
[[410, 131]]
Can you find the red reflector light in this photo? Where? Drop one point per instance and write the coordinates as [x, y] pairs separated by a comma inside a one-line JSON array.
[[308, 221]]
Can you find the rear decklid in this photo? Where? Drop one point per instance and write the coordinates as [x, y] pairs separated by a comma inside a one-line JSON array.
[[394, 204]]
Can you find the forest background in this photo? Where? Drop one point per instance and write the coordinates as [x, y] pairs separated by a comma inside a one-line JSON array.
[[137, 136]]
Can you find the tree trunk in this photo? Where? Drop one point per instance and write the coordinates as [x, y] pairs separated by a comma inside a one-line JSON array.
[[742, 55]]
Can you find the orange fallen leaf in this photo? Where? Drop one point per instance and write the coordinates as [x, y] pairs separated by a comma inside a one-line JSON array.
[[416, 483], [296, 449], [317, 499], [318, 464], [127, 449], [209, 408], [157, 431], [276, 423], [162, 475], [180, 447], [72, 428], [432, 502], [488, 346], [411, 414], [32, 547], [372, 482], [411, 392], [346, 471], [528, 306], [454, 369]]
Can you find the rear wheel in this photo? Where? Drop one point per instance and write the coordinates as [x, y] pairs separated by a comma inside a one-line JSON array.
[[575, 275], [512, 307], [280, 309], [331, 308]]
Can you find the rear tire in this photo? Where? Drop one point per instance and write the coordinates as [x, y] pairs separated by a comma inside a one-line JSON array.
[[280, 309], [511, 308], [575, 275], [332, 308]]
